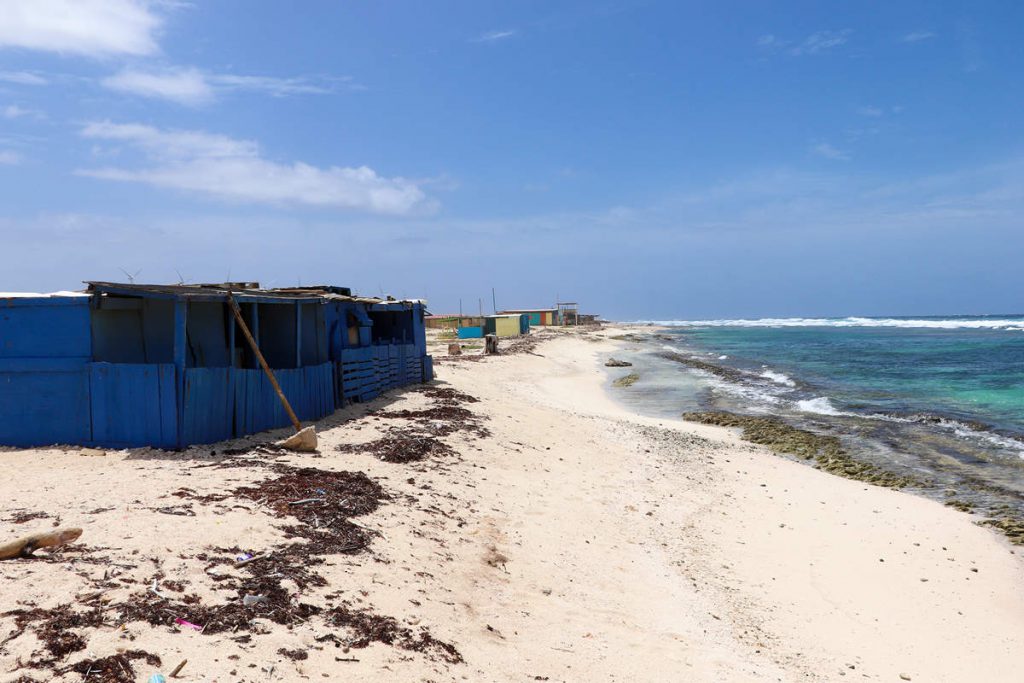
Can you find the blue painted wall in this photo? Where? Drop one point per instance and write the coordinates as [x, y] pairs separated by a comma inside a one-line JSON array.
[[134, 371]]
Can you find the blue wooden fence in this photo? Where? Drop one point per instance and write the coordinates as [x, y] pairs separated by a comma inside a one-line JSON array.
[[133, 405], [52, 391]]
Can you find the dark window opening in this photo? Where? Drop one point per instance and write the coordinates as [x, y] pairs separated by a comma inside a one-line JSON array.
[[392, 327], [314, 337], [206, 335], [277, 334], [132, 330]]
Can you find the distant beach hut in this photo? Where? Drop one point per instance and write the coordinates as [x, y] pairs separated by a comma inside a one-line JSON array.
[[504, 325], [538, 317]]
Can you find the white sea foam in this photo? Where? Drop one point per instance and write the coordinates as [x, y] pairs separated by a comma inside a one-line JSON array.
[[758, 397], [1014, 324], [778, 378], [995, 439], [722, 357], [820, 405]]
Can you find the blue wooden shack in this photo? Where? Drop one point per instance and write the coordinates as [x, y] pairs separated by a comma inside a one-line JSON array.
[[123, 365]]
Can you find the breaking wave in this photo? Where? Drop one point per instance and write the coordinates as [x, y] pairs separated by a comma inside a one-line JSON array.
[[778, 378], [820, 406], [1015, 323]]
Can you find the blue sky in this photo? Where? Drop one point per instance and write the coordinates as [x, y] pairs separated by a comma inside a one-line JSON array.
[[648, 159]]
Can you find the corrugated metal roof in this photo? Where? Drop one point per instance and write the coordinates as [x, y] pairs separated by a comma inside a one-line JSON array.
[[34, 295], [242, 291]]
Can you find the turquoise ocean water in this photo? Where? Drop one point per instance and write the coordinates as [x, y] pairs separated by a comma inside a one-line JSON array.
[[939, 397]]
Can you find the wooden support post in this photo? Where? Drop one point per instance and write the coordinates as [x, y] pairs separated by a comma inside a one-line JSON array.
[[180, 351], [298, 335], [263, 362], [231, 338]]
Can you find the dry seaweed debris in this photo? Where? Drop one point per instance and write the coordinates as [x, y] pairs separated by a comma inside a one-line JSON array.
[[276, 604], [446, 394], [113, 669], [401, 446], [53, 629], [322, 502], [825, 450], [23, 516], [441, 420], [368, 627], [525, 344]]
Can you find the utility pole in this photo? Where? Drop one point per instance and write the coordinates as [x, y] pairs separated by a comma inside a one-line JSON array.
[[494, 301], [481, 302], [460, 308]]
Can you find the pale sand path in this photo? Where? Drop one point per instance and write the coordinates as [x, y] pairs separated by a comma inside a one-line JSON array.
[[807, 573], [578, 543]]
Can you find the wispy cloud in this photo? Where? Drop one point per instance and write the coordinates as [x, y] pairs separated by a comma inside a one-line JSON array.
[[94, 28], [22, 78], [493, 36], [917, 36], [13, 111], [816, 43], [227, 168], [193, 87], [827, 151], [820, 42], [9, 158], [185, 86], [871, 111]]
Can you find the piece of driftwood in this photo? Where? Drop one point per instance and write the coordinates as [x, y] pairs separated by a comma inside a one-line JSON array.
[[177, 669], [242, 563], [26, 545]]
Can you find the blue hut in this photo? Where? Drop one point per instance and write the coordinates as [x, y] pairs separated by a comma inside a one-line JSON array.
[[123, 365]]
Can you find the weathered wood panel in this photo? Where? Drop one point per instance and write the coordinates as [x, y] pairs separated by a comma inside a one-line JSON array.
[[133, 405]]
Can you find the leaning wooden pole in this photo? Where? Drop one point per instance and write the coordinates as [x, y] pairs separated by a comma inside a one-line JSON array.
[[263, 362]]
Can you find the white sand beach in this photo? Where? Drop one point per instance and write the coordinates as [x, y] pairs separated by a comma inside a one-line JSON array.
[[563, 538]]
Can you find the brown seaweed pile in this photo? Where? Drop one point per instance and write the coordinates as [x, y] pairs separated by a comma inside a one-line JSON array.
[[367, 627], [447, 395], [53, 627], [322, 501], [827, 451], [113, 669], [419, 440], [442, 420], [518, 345], [401, 446]]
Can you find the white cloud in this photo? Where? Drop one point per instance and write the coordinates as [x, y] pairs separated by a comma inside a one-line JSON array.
[[9, 158], [820, 42], [282, 87], [917, 36], [193, 87], [231, 169], [13, 111], [870, 111], [816, 43], [823, 149], [185, 86], [22, 78], [492, 36], [93, 28]]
